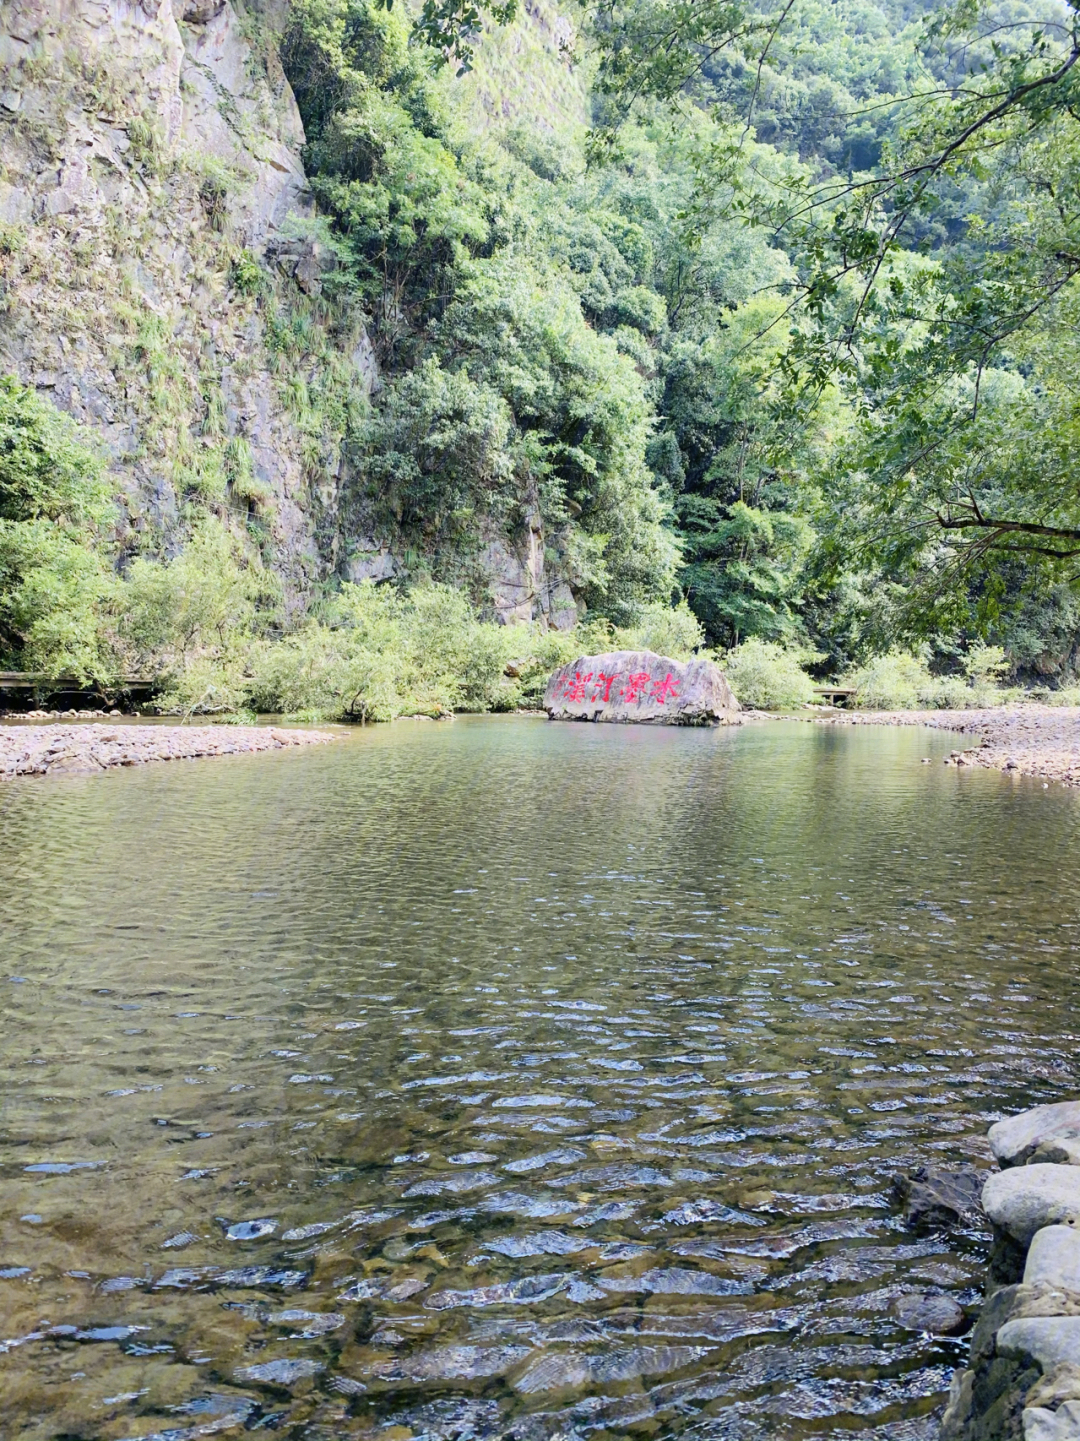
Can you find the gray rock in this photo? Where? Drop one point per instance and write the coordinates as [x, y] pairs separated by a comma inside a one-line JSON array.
[[937, 1197], [958, 1407], [1049, 1340], [1059, 1384], [1065, 1150], [1054, 1257], [939, 1315], [1015, 1140], [1024, 1199], [1060, 1425], [640, 687], [201, 12]]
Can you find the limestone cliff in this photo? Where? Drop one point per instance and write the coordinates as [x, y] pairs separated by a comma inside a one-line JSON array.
[[161, 268]]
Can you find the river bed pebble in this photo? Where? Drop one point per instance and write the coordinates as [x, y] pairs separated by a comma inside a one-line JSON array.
[[1030, 740], [69, 749]]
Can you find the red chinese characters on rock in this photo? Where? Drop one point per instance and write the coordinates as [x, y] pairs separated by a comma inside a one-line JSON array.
[[575, 689], [603, 687], [636, 688], [664, 688]]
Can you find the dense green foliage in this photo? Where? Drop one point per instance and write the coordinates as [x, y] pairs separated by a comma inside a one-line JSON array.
[[502, 399], [54, 580], [782, 357], [931, 222]]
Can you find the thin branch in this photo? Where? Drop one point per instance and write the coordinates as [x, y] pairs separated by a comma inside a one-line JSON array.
[[1024, 527]]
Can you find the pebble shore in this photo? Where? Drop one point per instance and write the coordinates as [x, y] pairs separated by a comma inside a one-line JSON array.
[[1022, 1379], [1030, 740], [69, 749]]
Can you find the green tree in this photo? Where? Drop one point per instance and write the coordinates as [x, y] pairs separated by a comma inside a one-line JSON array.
[[55, 582]]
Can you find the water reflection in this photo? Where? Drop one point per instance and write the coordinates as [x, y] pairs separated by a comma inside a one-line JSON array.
[[511, 1079]]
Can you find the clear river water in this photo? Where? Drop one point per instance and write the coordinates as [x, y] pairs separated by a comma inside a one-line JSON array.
[[509, 1079]]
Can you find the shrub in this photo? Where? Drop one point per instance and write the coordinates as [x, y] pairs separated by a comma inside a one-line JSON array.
[[377, 653], [896, 681], [246, 274], [899, 681], [55, 587], [641, 308], [675, 632], [54, 595], [201, 603], [47, 470], [766, 676]]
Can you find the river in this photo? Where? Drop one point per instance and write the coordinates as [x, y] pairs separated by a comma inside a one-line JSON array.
[[512, 1079]]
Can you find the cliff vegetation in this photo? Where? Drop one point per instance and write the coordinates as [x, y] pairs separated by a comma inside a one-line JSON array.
[[339, 383]]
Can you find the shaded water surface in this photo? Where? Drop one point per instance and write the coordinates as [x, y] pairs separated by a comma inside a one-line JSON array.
[[508, 1079]]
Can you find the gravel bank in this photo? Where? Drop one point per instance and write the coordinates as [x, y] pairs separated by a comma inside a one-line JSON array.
[[67, 749], [1030, 740]]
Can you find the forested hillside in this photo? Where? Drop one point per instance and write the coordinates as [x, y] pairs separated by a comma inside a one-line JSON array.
[[369, 359]]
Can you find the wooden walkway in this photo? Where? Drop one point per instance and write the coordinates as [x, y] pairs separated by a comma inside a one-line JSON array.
[[41, 680]]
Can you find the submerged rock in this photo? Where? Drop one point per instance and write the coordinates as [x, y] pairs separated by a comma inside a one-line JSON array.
[[1024, 1199], [641, 687], [285, 1372], [937, 1197], [939, 1315], [1045, 1133]]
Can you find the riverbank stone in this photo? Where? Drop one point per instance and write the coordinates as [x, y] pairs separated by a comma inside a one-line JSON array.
[[1054, 1258], [1059, 1384], [641, 688], [1045, 1133], [1060, 1425], [1049, 1340], [47, 750], [1024, 1199]]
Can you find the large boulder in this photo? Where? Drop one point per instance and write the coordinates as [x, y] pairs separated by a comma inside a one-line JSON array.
[[1024, 1199], [1045, 1133], [1054, 1258], [1049, 1340], [641, 687]]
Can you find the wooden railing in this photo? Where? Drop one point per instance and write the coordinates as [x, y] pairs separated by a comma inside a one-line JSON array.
[[35, 680]]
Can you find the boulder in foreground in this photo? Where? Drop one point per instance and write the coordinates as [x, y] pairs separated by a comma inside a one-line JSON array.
[[641, 687], [1024, 1199], [1045, 1133]]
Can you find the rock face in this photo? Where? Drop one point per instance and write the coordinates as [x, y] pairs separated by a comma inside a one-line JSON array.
[[643, 688], [158, 239]]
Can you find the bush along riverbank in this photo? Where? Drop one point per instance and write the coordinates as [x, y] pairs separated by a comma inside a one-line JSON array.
[[1022, 1379]]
